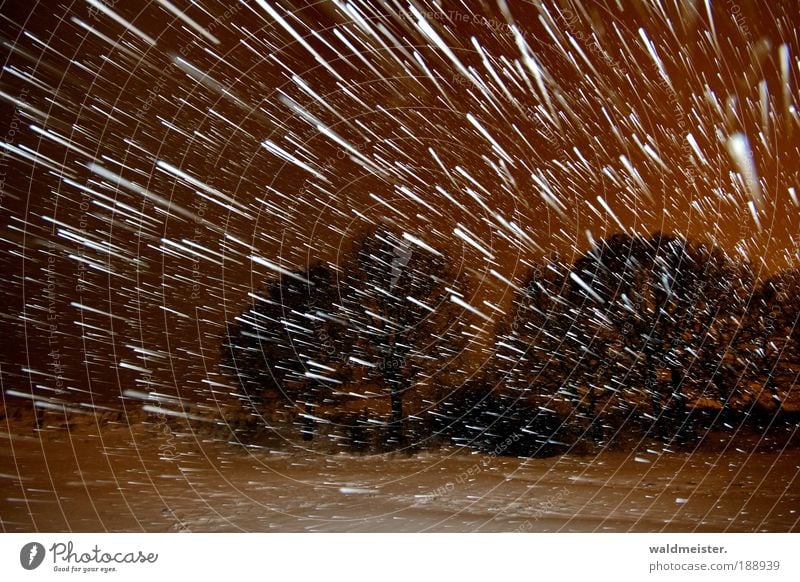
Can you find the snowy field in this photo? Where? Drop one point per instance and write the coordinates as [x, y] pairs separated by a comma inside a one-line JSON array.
[[118, 480]]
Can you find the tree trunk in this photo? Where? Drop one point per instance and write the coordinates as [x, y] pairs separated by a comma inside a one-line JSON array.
[[772, 386], [723, 394], [307, 428], [769, 369], [594, 422], [676, 381], [678, 418], [652, 385], [396, 432]]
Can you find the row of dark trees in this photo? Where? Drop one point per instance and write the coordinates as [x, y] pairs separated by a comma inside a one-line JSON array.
[[656, 332], [657, 335]]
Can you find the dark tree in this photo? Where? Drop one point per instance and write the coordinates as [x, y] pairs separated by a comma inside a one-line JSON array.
[[392, 316], [769, 339], [672, 305], [289, 348], [638, 329], [398, 299]]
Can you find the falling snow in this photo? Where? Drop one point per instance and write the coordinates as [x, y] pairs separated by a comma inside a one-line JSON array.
[[452, 266]]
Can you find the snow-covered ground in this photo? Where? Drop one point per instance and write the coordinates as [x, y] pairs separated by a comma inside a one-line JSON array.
[[151, 478]]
